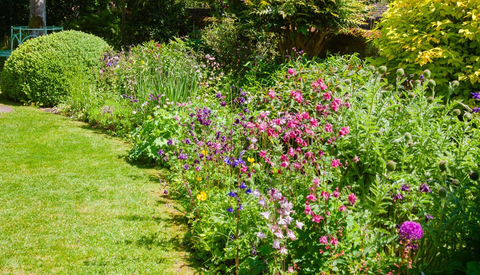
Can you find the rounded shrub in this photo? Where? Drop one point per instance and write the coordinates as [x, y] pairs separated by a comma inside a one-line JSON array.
[[40, 70]]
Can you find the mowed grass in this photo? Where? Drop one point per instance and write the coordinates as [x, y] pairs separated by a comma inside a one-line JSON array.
[[70, 203]]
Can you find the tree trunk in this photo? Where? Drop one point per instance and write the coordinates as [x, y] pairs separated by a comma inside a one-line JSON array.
[[38, 15]]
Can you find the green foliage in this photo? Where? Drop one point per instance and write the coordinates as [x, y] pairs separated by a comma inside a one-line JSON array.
[[234, 44], [305, 24], [443, 36], [39, 70], [156, 20]]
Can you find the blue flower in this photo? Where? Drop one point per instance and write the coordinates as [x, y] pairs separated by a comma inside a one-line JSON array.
[[227, 160], [232, 194], [248, 191], [243, 185], [476, 110], [230, 210], [476, 95]]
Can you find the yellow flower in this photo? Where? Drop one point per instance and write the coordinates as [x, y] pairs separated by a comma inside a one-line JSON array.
[[202, 196], [199, 178], [251, 160], [205, 152]]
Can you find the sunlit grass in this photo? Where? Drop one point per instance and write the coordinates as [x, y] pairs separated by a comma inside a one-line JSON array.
[[70, 204]]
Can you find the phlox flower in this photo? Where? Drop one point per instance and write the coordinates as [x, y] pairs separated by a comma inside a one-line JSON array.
[[323, 240], [262, 202]]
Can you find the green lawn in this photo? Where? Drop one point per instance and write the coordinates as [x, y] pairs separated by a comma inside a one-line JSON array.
[[70, 203]]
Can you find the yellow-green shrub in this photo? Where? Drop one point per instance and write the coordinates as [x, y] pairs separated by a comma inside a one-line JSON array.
[[440, 35], [40, 70]]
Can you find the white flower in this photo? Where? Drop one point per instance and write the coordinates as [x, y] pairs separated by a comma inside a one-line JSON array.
[[278, 234], [276, 244], [261, 235], [291, 235], [256, 193], [299, 225], [265, 214]]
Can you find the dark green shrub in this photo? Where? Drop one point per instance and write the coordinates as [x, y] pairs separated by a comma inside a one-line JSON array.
[[38, 70]]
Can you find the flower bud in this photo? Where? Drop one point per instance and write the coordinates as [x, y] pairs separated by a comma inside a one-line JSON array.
[[411, 95], [473, 175], [456, 112], [442, 192], [371, 68], [400, 72], [432, 83], [427, 73], [408, 136], [467, 115], [442, 165], [455, 84], [391, 166], [418, 82], [347, 81], [256, 167], [382, 69], [430, 99]]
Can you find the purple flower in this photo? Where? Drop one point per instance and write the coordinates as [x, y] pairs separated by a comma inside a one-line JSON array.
[[425, 188], [230, 210], [476, 95], [182, 156], [411, 231], [240, 207], [243, 185], [476, 110], [219, 95], [397, 197], [223, 103], [161, 152], [422, 77], [187, 141], [428, 217], [227, 160], [232, 194], [406, 188], [169, 142], [185, 166]]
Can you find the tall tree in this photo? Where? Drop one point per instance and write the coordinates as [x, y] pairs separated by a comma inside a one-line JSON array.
[[38, 15]]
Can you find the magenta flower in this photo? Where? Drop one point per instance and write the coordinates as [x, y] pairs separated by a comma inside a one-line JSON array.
[[327, 96], [336, 163], [316, 181], [308, 210], [328, 128], [323, 240], [342, 208], [411, 231], [271, 94], [262, 153], [291, 71], [311, 197], [333, 241], [335, 193], [355, 159], [344, 131], [325, 195], [352, 198], [317, 218]]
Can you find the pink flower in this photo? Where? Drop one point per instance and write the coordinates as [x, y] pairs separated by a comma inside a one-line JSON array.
[[352, 198], [333, 241], [284, 158], [336, 194], [344, 131], [355, 159], [291, 71], [284, 164], [321, 153], [317, 218], [328, 128], [313, 122], [297, 165], [336, 163], [262, 153], [311, 197], [325, 195], [327, 96], [291, 152], [290, 269], [276, 244], [244, 169], [323, 239], [291, 235], [322, 86], [283, 250], [305, 115], [308, 210], [327, 213], [271, 93], [316, 181], [347, 104]]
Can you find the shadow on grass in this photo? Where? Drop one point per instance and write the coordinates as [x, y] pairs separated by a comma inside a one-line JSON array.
[[5, 101]]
